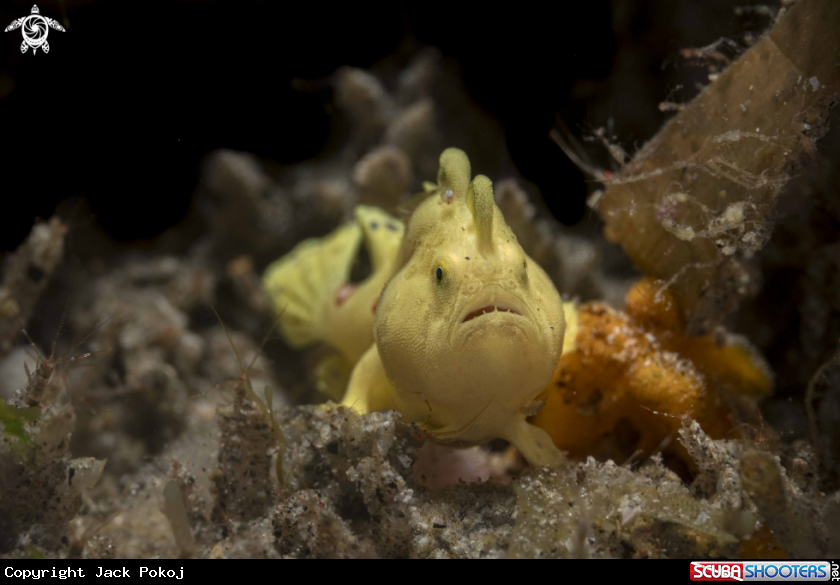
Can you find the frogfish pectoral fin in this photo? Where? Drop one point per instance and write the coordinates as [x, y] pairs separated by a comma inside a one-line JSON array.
[[535, 444], [369, 389]]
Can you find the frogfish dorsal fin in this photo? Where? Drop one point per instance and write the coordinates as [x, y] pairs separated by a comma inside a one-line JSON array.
[[454, 172], [481, 204]]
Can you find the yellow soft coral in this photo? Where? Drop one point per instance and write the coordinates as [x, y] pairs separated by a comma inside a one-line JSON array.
[[632, 376]]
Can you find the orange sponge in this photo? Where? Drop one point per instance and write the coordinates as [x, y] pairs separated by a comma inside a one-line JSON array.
[[632, 376]]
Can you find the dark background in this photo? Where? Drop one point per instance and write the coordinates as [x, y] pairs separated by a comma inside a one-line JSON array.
[[128, 100]]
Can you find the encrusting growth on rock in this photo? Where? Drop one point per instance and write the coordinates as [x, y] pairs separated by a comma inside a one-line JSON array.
[[632, 376]]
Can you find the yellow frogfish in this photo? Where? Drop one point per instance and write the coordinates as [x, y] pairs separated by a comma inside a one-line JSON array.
[[456, 327]]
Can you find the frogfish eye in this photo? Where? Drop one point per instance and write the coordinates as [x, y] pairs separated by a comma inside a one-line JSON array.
[[439, 273]]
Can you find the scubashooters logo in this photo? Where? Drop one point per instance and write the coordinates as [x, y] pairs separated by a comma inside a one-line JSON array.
[[763, 571], [35, 29]]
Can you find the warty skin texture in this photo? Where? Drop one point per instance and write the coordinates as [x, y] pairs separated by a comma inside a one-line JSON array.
[[469, 330]]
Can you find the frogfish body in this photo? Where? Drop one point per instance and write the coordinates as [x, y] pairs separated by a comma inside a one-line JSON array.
[[463, 330]]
